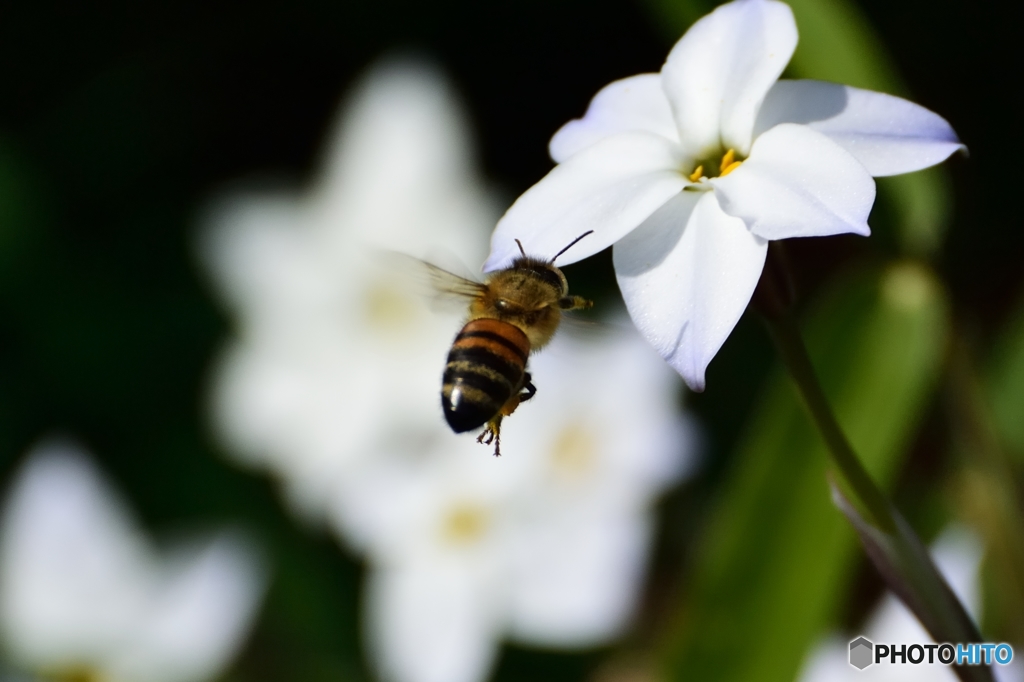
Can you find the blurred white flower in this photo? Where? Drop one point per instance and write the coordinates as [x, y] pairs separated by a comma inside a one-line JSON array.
[[83, 594], [547, 544], [334, 385], [957, 553], [691, 171], [335, 359]]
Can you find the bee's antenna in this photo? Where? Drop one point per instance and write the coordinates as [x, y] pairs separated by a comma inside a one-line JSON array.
[[520, 244], [571, 244]]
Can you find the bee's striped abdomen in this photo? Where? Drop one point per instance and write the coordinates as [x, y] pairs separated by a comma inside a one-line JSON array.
[[485, 368]]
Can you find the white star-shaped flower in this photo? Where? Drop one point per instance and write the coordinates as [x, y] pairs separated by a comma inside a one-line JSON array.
[[84, 595], [336, 358], [691, 171], [546, 545]]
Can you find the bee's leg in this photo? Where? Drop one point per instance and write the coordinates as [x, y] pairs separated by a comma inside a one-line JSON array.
[[529, 390], [492, 434], [487, 436], [574, 303]]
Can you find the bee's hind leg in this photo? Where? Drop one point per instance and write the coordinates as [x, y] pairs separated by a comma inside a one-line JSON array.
[[492, 434], [529, 390]]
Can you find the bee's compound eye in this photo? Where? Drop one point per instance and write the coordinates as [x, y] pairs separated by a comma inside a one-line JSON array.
[[501, 304]]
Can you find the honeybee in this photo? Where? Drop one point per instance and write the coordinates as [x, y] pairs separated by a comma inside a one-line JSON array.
[[512, 313]]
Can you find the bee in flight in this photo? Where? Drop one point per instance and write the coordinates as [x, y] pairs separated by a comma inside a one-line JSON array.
[[511, 313]]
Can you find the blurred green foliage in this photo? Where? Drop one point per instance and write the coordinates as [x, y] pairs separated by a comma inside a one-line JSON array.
[[988, 408], [1005, 384], [776, 552]]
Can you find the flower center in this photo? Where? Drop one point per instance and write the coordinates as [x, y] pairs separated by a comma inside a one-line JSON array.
[[73, 674], [727, 164], [387, 308], [574, 452], [465, 524]]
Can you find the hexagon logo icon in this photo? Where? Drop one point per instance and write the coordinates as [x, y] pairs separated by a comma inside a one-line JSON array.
[[860, 653]]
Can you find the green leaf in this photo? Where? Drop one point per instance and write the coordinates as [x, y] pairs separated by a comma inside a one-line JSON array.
[[1005, 385], [838, 44], [19, 213], [777, 553]]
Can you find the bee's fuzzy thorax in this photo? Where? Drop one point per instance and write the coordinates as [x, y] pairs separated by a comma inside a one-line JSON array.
[[525, 295]]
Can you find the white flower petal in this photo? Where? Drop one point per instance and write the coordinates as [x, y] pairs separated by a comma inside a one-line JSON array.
[[399, 171], [290, 410], [635, 104], [575, 580], [432, 621], [719, 72], [887, 134], [199, 614], [402, 119], [74, 570], [686, 276], [255, 257], [612, 449], [610, 187], [798, 183]]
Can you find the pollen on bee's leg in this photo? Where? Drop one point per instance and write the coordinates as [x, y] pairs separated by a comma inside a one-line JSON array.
[[509, 407]]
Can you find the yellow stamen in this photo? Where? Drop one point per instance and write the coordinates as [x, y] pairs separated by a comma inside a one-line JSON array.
[[728, 159], [697, 174], [729, 163], [730, 168]]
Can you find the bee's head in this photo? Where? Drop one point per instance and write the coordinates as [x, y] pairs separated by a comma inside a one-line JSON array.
[[544, 271]]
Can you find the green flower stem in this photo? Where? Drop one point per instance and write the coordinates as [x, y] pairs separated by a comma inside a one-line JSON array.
[[773, 299], [888, 539], [791, 348]]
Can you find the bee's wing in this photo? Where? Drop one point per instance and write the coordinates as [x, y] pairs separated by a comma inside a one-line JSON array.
[[580, 326], [447, 284], [445, 290]]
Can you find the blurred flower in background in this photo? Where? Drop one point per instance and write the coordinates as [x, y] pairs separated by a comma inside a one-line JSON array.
[[957, 553], [547, 544], [333, 385], [83, 595], [335, 358]]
